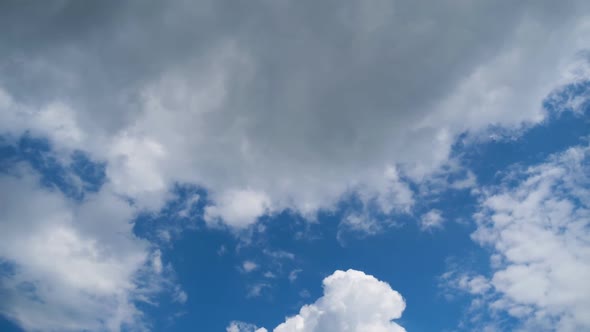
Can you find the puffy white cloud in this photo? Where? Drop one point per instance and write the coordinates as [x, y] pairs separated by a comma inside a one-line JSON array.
[[238, 208], [539, 231], [431, 220], [274, 108], [352, 302], [71, 266]]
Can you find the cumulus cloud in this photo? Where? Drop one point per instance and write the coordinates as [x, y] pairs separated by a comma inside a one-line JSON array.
[[70, 266], [352, 302], [240, 207], [431, 220], [271, 108], [538, 229]]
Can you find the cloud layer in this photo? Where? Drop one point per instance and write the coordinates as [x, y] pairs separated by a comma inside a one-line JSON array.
[[278, 105]]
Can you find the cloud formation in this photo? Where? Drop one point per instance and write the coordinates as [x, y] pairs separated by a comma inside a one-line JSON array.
[[272, 106], [69, 266], [538, 229], [431, 220], [352, 302], [276, 105]]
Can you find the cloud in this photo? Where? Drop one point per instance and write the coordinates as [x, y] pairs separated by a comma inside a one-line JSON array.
[[294, 274], [249, 266], [431, 220], [274, 108], [239, 208], [353, 301], [278, 254], [179, 295], [236, 326], [72, 266], [470, 283], [157, 261], [537, 228], [255, 290], [359, 222]]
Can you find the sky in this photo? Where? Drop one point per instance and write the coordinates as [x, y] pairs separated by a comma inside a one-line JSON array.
[[295, 166]]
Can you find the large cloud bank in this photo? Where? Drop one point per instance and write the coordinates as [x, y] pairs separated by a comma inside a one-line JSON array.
[[277, 105]]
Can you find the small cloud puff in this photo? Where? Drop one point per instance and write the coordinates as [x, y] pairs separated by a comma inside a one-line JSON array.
[[431, 220], [236, 326], [249, 266]]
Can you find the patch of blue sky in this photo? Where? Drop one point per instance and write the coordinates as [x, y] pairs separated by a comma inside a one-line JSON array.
[[8, 326], [78, 176]]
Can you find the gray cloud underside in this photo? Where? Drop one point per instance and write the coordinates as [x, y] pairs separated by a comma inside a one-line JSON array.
[[279, 104]]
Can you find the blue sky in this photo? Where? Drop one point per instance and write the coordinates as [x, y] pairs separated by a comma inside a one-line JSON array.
[[285, 168]]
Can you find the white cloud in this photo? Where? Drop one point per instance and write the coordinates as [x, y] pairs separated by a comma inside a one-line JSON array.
[[359, 222], [294, 274], [255, 290], [74, 266], [431, 220], [179, 295], [281, 125], [157, 261], [278, 254], [238, 208], [473, 284], [189, 204], [164, 235], [538, 230], [249, 266], [236, 326], [352, 302]]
